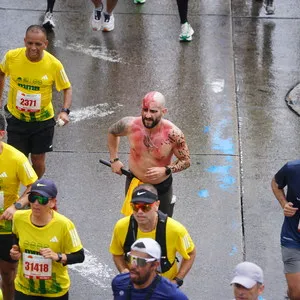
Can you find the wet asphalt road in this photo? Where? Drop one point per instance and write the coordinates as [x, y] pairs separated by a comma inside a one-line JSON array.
[[225, 90]]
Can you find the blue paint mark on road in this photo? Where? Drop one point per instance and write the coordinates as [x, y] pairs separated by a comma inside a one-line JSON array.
[[228, 158], [226, 179], [224, 145], [203, 193], [219, 169], [206, 129], [233, 251]]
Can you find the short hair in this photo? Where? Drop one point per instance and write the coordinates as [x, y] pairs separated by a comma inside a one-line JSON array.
[[2, 122], [148, 187], [35, 27]]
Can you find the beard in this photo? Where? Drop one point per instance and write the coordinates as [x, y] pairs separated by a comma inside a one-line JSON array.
[[153, 124], [138, 279]]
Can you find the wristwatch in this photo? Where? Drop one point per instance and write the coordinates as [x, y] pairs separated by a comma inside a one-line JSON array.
[[59, 257], [178, 281], [18, 205], [168, 170], [66, 110]]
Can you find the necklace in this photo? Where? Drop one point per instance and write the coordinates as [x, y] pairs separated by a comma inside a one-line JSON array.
[[148, 142]]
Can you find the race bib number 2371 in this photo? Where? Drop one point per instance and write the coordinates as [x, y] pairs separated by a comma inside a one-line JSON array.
[[28, 102]]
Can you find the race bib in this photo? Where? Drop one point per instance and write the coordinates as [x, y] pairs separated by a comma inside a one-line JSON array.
[[36, 266], [28, 102]]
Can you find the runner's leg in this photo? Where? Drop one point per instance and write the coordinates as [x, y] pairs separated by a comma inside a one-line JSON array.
[[50, 6], [165, 202]]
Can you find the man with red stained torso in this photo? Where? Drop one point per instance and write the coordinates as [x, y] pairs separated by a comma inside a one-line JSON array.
[[153, 142]]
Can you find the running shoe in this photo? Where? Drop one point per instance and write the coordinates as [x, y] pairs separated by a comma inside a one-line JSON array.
[[139, 1], [186, 32], [269, 7], [48, 20], [108, 23], [96, 19]]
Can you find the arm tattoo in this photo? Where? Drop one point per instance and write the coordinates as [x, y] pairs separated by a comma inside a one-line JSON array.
[[119, 127], [182, 153]]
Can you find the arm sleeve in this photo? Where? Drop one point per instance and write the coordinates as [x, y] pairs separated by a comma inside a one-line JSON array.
[[184, 243], [61, 79], [75, 257], [116, 244], [281, 178], [26, 173], [4, 64], [72, 242]]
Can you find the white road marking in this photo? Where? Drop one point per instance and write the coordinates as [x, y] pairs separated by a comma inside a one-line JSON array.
[[218, 85], [96, 51], [98, 273], [89, 112]]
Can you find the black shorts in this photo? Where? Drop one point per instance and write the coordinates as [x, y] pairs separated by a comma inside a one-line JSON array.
[[6, 242], [165, 194], [30, 137], [21, 296]]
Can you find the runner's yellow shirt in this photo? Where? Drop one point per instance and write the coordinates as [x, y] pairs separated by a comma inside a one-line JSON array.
[[30, 86], [178, 240], [36, 275], [14, 169]]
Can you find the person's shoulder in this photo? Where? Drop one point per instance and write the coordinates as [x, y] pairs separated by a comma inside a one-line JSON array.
[[123, 221], [121, 280], [171, 290], [15, 52], [21, 214], [14, 153], [173, 224], [134, 122], [168, 125], [61, 218], [293, 164], [52, 58]]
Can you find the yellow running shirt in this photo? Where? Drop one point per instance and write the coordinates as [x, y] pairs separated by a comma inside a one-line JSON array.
[[30, 87], [178, 240], [14, 169], [36, 275]]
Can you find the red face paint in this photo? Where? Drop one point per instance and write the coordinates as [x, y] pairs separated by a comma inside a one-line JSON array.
[[148, 99]]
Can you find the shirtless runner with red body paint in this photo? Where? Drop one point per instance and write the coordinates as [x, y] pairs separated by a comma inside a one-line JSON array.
[[153, 141]]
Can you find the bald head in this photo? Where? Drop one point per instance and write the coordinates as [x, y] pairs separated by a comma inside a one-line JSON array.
[[154, 97]]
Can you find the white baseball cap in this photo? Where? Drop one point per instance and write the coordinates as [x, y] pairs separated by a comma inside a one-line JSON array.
[[248, 274], [148, 246]]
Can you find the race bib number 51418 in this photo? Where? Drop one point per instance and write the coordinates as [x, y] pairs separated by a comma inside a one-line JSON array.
[[36, 266], [28, 102]]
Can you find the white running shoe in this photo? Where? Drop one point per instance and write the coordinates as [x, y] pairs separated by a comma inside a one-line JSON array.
[[108, 22], [96, 21], [48, 20], [139, 1], [186, 32]]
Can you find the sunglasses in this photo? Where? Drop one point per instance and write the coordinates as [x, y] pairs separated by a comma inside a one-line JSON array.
[[144, 207], [139, 261], [40, 199]]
